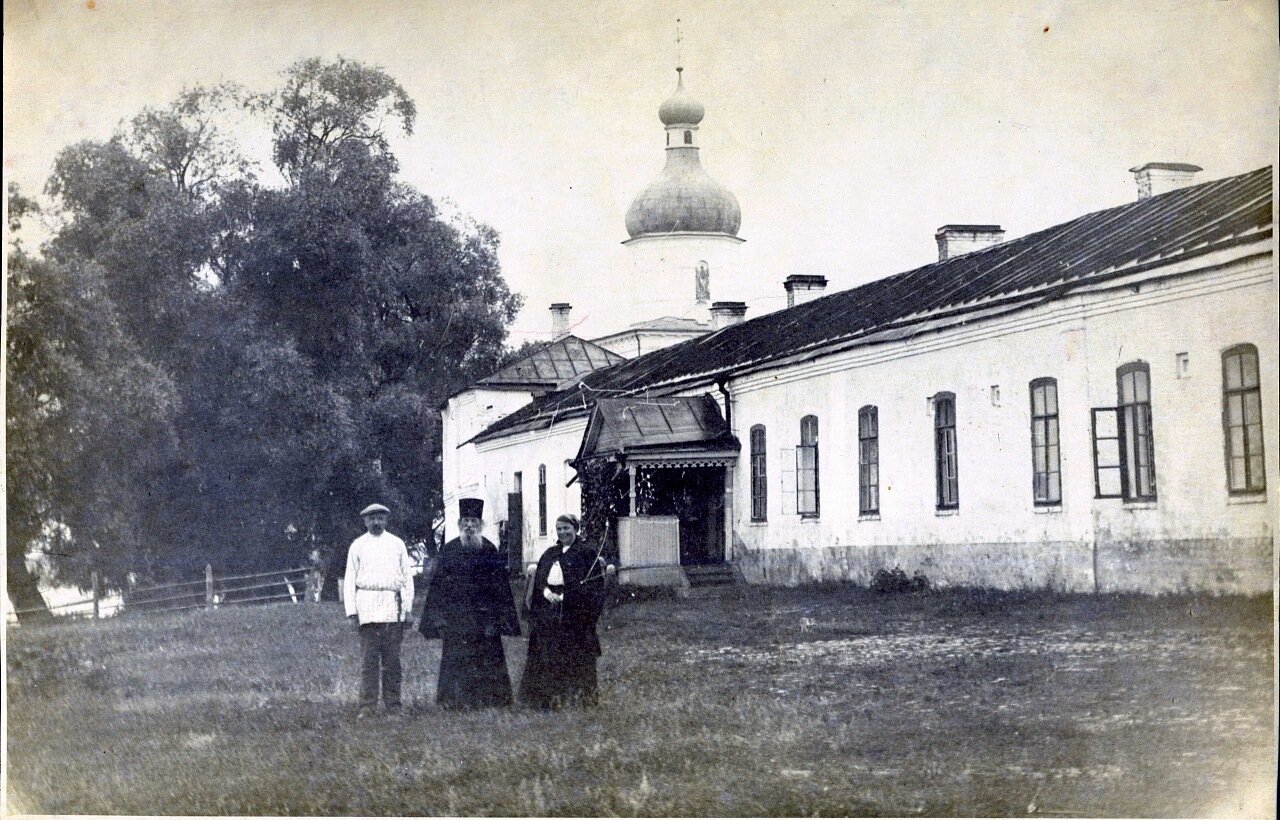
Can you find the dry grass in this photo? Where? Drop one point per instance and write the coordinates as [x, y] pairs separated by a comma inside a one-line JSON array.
[[830, 701]]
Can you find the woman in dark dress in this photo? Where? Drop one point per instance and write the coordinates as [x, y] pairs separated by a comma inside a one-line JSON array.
[[565, 599]]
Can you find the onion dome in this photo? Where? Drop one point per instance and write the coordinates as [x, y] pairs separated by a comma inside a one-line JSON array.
[[681, 108], [683, 199]]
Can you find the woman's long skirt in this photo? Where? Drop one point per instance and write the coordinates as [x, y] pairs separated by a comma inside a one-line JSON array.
[[560, 671], [473, 674]]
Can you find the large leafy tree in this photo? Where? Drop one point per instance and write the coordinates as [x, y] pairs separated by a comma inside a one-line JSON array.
[[285, 348], [88, 427]]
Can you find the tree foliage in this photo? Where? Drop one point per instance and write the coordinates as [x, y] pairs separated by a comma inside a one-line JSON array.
[[204, 368]]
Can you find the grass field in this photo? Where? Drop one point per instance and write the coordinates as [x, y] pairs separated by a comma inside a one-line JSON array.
[[830, 701]]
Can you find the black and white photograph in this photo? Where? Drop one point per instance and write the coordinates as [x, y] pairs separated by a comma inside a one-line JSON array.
[[685, 408]]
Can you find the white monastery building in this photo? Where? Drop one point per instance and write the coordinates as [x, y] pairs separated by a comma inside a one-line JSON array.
[[1091, 407]]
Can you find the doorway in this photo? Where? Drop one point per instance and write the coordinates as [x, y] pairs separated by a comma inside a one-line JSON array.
[[694, 495]]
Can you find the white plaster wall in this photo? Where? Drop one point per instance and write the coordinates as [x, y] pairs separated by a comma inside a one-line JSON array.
[[465, 415], [662, 273], [498, 461], [1080, 342]]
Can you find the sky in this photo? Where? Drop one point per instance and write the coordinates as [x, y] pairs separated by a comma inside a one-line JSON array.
[[849, 132]]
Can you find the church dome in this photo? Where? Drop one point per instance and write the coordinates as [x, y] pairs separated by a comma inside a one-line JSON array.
[[683, 199], [681, 108]]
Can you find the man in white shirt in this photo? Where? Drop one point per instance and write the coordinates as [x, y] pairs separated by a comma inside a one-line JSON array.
[[378, 592]]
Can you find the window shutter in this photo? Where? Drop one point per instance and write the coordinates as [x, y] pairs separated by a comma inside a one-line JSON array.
[[787, 459], [1109, 477]]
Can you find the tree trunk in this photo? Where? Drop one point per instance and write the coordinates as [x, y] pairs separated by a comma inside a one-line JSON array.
[[24, 590]]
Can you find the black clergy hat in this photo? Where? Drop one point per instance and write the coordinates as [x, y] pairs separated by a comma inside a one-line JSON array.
[[471, 508]]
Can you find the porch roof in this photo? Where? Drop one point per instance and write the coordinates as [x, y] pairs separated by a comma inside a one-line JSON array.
[[669, 424]]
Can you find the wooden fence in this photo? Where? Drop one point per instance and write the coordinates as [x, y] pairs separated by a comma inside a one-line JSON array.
[[295, 585]]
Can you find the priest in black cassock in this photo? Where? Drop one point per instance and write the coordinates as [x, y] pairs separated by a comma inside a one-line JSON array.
[[469, 606]]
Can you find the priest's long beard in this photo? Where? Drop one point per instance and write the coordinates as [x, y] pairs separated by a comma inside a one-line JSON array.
[[470, 539]]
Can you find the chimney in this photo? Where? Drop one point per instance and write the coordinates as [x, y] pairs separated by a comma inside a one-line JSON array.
[[803, 287], [954, 240], [724, 314], [560, 319], [1156, 178]]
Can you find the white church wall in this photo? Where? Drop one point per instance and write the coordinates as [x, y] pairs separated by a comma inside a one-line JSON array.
[[1192, 537], [665, 268], [464, 416], [497, 462]]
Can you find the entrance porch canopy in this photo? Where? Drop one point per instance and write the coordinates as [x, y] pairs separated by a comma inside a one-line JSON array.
[[670, 430]]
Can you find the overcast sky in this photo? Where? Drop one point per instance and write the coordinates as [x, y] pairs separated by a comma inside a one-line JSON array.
[[848, 131]]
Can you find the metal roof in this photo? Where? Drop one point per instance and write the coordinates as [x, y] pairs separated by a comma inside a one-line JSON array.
[[553, 364], [643, 424], [1026, 271]]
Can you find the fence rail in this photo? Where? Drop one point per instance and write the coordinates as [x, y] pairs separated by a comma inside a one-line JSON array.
[[296, 584]]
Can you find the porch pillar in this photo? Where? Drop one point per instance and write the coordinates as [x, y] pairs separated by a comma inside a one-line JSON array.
[[631, 473], [728, 512]]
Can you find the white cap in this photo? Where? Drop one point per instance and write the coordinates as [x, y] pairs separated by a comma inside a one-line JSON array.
[[374, 508]]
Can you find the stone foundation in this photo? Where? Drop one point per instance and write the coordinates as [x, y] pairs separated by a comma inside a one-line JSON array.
[[1236, 565]]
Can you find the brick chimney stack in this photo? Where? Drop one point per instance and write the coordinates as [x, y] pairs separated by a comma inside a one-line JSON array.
[[1156, 178], [803, 287], [560, 319], [724, 314], [954, 240]]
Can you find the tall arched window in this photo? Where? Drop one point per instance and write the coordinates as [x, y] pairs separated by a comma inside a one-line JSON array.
[[947, 462], [1242, 420], [759, 476], [1046, 470], [807, 468], [868, 460], [688, 138], [542, 499], [1134, 385]]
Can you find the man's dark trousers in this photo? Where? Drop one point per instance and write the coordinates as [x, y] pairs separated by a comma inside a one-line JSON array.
[[380, 651]]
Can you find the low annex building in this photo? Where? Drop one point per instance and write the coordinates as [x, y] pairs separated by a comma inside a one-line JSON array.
[[1091, 407]]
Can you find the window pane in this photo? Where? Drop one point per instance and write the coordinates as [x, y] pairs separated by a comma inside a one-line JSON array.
[[1126, 389], [1231, 370], [1052, 437], [1252, 407], [1142, 385], [1038, 459], [1109, 481], [1037, 401], [1237, 442], [1051, 399], [1052, 458], [1055, 487], [1235, 410], [1255, 439], [1105, 425], [1238, 479], [1039, 434], [1248, 369], [1257, 479]]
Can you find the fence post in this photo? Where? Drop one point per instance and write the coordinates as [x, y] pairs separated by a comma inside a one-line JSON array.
[[208, 585], [97, 593]]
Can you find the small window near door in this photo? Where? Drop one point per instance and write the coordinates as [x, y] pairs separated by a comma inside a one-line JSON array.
[[542, 499]]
